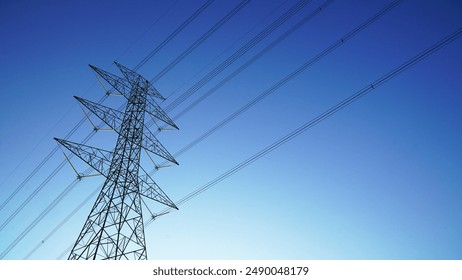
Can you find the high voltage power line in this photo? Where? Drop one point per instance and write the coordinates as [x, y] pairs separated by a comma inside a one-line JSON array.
[[58, 226], [38, 189], [114, 228], [173, 34], [82, 121], [291, 75], [103, 98], [284, 80], [334, 109], [300, 129], [253, 59], [227, 49], [272, 45], [200, 40], [275, 24], [237, 54], [280, 20]]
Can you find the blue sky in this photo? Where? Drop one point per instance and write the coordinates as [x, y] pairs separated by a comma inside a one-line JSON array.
[[378, 180]]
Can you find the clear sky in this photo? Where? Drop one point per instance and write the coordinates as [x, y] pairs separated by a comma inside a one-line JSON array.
[[380, 179]]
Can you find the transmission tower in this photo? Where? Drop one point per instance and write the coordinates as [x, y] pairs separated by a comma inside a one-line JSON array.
[[114, 228]]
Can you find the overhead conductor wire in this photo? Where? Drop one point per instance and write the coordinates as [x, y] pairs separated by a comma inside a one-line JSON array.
[[253, 59], [200, 40], [339, 106], [173, 34], [288, 77], [227, 49], [244, 49]]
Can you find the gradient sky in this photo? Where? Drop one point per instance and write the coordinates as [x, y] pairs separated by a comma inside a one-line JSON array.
[[381, 179]]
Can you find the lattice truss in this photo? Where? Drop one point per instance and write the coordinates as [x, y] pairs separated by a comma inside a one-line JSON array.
[[114, 228]]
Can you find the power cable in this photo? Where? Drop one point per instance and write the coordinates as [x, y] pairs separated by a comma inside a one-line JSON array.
[[244, 49], [148, 29], [278, 8], [64, 221], [288, 77], [241, 51], [80, 123], [38, 189], [25, 181], [253, 59], [200, 40], [339, 106], [38, 219], [173, 34]]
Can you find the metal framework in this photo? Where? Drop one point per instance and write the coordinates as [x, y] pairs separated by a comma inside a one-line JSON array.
[[114, 228]]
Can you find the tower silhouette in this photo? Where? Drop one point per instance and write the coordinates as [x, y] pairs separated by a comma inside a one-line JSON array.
[[114, 228]]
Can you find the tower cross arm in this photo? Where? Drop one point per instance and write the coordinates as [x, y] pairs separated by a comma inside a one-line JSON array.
[[114, 118], [119, 84], [150, 189], [109, 116], [154, 110], [124, 86], [150, 143], [98, 159], [134, 78]]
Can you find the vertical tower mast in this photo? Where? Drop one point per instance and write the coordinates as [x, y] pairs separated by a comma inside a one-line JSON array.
[[114, 228]]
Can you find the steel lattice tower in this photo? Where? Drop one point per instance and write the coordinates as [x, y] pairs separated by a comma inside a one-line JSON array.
[[114, 228]]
